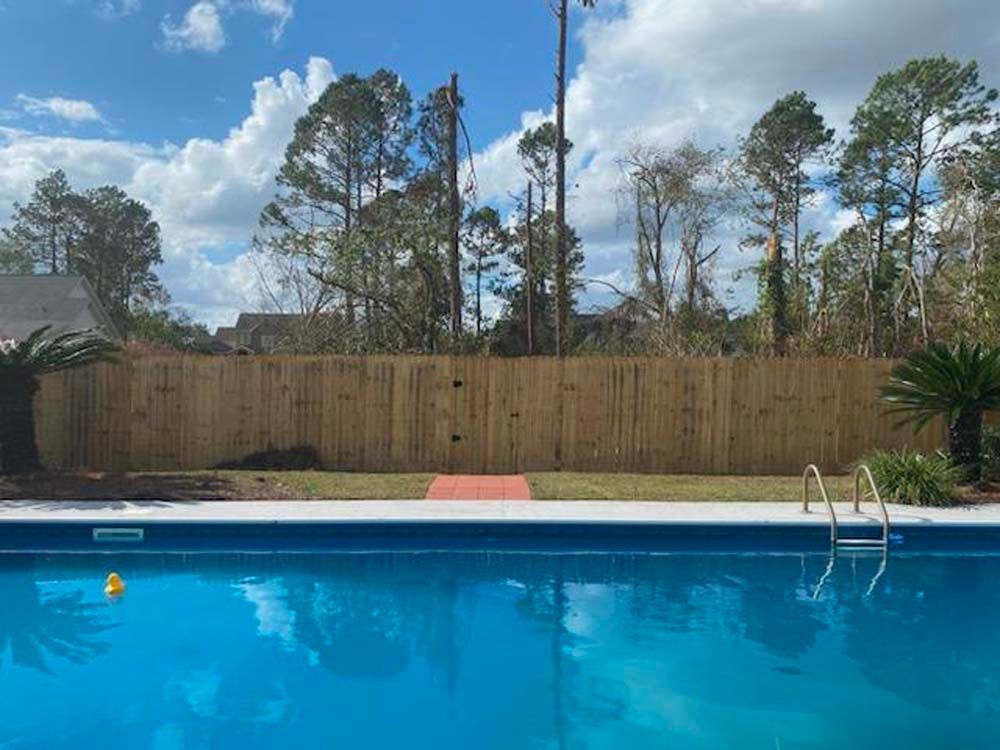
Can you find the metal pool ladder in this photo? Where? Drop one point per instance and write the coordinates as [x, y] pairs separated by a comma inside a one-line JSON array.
[[812, 471]]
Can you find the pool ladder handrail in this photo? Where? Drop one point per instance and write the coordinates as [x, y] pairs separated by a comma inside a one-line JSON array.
[[812, 470], [863, 470]]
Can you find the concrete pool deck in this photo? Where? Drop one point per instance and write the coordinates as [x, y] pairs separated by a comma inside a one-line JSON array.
[[483, 511]]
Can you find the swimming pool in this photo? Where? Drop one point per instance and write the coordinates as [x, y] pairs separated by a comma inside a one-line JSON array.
[[700, 644]]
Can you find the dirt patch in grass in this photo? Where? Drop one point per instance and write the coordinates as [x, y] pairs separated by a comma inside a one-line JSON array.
[[172, 486], [214, 485], [983, 492]]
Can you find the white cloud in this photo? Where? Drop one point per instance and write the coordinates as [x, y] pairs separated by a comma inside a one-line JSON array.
[[202, 26], [74, 110], [209, 185], [280, 11], [200, 30], [206, 194], [113, 9], [26, 156]]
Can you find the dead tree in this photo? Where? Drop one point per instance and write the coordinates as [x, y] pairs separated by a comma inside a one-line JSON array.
[[529, 276], [454, 216]]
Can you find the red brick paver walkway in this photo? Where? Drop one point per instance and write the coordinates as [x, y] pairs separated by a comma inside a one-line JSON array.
[[479, 487]]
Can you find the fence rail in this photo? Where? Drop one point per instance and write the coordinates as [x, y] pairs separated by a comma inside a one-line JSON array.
[[465, 414]]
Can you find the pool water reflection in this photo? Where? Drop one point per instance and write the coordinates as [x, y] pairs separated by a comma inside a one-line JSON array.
[[499, 650]]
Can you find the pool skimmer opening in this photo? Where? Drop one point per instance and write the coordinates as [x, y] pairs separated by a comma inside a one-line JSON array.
[[118, 535]]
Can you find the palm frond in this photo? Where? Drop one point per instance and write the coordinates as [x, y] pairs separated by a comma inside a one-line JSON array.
[[40, 353], [942, 381]]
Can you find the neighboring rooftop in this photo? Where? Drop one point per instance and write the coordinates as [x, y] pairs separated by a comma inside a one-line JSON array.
[[250, 321], [64, 302]]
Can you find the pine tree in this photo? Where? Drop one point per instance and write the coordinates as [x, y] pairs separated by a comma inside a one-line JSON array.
[[486, 241], [773, 159]]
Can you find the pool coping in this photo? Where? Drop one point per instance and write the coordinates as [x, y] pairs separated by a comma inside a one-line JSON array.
[[295, 512]]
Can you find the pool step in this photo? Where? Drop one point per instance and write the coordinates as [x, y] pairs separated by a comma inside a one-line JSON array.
[[861, 542]]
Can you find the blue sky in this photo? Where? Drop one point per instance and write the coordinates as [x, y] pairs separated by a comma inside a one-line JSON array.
[[188, 104], [118, 61]]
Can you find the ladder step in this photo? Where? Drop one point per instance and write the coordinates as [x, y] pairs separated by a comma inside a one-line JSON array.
[[869, 542]]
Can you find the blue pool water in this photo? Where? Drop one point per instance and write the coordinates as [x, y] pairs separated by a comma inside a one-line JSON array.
[[500, 650]]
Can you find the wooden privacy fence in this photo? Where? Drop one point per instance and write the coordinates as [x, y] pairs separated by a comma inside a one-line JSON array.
[[465, 414]]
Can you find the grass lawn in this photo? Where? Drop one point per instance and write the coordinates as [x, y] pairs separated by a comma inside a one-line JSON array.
[[286, 485], [334, 485], [677, 487], [338, 485]]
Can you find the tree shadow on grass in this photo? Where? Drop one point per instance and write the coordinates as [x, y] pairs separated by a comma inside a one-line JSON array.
[[117, 490]]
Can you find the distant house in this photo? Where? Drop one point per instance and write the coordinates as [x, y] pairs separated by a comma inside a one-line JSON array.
[[66, 303], [255, 333]]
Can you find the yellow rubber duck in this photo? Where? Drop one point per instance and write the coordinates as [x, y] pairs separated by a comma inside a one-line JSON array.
[[114, 585]]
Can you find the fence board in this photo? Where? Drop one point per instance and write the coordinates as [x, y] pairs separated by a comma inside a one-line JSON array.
[[720, 416]]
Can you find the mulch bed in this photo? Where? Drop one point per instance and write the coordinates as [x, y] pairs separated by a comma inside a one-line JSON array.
[[98, 486], [984, 492]]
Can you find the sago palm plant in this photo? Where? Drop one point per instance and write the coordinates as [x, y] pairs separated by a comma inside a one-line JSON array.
[[959, 384], [21, 364]]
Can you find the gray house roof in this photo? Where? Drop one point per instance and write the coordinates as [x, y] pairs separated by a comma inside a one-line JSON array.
[[275, 321], [66, 303]]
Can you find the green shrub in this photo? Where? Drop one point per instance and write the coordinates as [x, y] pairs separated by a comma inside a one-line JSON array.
[[959, 383], [913, 478], [991, 453]]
